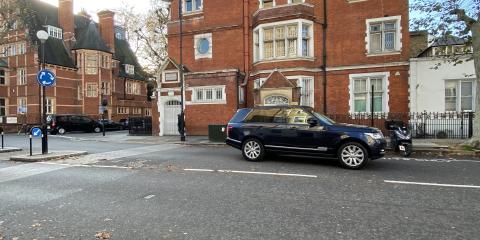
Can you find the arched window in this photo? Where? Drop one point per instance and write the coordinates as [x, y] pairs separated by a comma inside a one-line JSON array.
[[275, 100]]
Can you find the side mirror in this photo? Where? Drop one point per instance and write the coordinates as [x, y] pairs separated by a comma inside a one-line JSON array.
[[312, 122]]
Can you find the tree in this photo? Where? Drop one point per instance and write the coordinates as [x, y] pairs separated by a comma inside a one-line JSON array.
[[444, 18], [146, 33], [14, 15]]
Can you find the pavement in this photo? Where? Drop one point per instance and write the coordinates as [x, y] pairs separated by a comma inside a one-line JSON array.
[[52, 155], [9, 149], [174, 191]]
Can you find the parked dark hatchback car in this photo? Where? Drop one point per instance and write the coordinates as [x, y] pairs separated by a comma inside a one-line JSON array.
[[111, 125], [60, 124], [301, 131]]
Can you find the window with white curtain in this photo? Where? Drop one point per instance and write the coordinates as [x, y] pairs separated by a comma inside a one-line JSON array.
[[306, 85]]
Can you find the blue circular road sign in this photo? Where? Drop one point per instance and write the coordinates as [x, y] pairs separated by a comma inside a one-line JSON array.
[[46, 78], [36, 132]]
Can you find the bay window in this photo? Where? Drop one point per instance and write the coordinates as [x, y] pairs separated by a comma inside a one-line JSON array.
[[288, 39]]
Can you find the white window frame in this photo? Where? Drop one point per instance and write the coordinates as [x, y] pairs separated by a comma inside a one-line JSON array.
[[458, 97], [105, 88], [204, 90], [55, 32], [22, 103], [50, 105], [91, 64], [302, 81], [275, 95], [291, 2], [91, 92], [133, 88], [385, 84], [197, 38], [21, 76], [398, 35], [137, 111], [193, 11], [148, 112], [123, 110], [164, 76], [299, 51], [129, 69], [258, 83], [261, 5]]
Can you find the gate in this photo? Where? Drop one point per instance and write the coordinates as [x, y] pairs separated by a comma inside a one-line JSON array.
[[170, 119]]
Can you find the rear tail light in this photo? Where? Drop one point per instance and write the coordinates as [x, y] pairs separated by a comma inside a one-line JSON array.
[[229, 130], [53, 124]]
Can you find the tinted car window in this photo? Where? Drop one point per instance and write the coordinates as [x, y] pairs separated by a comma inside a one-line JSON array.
[[62, 118], [297, 116], [263, 115], [85, 120]]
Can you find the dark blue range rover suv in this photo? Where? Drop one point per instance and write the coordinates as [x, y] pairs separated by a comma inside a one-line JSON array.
[[300, 130]]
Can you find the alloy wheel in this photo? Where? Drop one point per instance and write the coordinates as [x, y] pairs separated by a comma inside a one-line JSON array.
[[352, 155], [252, 150]]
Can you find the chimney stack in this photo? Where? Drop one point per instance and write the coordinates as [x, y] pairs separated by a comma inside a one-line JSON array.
[[66, 19], [107, 28]]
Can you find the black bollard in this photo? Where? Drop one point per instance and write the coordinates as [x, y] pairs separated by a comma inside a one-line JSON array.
[[30, 144], [2, 141]]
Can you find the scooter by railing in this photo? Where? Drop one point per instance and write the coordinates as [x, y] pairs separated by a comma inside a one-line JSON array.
[[400, 137]]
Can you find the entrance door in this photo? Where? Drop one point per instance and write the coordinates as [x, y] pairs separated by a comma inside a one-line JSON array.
[[170, 119]]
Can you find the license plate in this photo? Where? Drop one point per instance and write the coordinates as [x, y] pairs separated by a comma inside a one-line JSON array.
[[402, 148]]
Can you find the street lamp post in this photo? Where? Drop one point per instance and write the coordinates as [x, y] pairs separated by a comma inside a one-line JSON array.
[[181, 118], [43, 36]]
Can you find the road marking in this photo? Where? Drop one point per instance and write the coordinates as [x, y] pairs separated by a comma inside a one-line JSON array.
[[432, 160], [149, 196], [31, 169], [26, 170], [269, 173], [198, 170], [432, 184], [251, 172]]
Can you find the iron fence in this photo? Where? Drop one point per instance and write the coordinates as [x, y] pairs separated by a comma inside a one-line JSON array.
[[140, 126], [451, 125]]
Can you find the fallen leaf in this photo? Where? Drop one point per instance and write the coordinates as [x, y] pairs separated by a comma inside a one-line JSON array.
[[103, 235]]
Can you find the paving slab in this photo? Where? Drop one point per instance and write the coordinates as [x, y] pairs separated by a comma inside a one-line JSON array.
[[46, 157], [9, 149]]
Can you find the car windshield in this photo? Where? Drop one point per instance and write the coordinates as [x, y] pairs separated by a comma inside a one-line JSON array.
[[323, 118]]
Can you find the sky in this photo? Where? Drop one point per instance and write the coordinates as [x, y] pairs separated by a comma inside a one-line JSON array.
[[94, 6]]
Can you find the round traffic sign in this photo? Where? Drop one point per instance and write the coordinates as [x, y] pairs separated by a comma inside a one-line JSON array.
[[36, 132], [46, 78]]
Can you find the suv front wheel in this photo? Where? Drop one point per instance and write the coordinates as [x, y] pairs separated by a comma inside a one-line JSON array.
[[353, 155], [253, 150]]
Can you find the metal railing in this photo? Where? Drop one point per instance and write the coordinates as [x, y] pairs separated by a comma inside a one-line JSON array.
[[448, 125], [140, 126]]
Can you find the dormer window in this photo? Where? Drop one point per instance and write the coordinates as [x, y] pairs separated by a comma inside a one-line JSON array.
[[55, 32], [129, 69]]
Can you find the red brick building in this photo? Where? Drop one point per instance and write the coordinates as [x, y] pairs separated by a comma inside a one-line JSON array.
[[90, 60], [324, 54]]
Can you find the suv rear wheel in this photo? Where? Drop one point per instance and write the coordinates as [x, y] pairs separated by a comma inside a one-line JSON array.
[[61, 130], [353, 155], [97, 129], [253, 150]]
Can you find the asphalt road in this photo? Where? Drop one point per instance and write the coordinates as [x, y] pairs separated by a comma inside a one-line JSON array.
[[135, 191]]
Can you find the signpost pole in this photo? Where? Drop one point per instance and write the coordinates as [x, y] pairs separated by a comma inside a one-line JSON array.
[[2, 141], [31, 145]]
